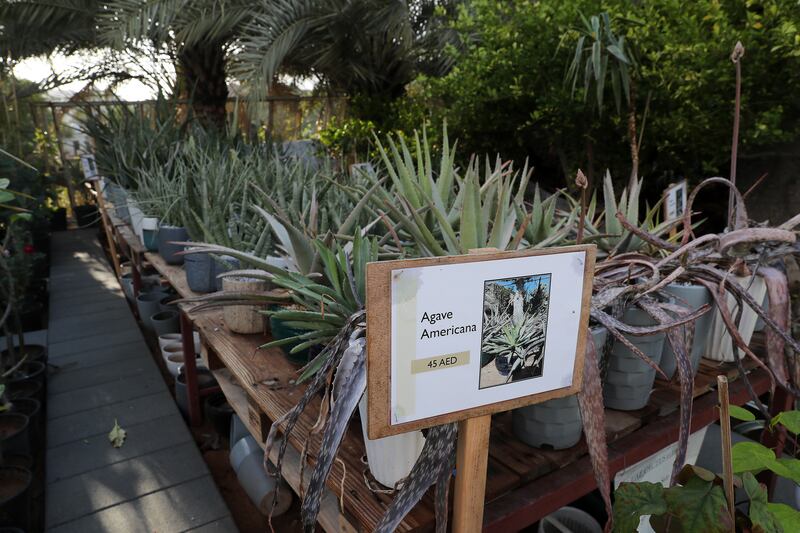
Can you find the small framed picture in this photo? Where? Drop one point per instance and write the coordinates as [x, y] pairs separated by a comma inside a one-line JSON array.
[[675, 200], [88, 166]]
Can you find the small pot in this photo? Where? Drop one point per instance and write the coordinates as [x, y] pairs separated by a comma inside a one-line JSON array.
[[244, 319], [148, 305], [175, 362], [719, 346], [238, 430], [166, 322], [200, 272], [569, 519], [177, 338], [25, 389], [166, 303], [137, 216], [247, 460], [126, 281], [15, 484], [169, 252], [29, 371], [204, 380], [554, 424], [31, 408], [693, 296], [281, 331], [222, 264], [150, 233], [390, 459], [219, 412], [35, 352], [14, 433], [629, 380]]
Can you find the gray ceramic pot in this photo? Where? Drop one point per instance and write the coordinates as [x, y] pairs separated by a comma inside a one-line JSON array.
[[199, 272], [694, 296], [169, 252], [204, 380], [555, 423], [127, 286], [629, 380], [223, 263], [164, 322], [148, 304], [14, 433], [166, 303]]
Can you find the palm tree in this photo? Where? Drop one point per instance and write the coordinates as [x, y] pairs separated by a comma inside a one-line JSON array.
[[372, 47]]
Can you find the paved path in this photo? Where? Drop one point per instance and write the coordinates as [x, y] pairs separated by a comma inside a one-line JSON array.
[[157, 481]]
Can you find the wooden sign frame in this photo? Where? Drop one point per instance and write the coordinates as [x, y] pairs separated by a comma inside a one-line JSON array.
[[379, 339]]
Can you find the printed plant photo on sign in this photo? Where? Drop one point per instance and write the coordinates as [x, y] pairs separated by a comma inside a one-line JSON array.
[[515, 312]]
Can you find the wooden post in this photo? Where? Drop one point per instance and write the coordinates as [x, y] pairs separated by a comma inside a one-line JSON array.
[[727, 461], [472, 459]]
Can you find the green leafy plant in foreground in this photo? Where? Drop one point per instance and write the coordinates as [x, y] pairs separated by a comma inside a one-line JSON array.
[[697, 502]]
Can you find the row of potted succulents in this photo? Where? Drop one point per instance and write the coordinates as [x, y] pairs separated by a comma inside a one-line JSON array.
[[311, 235]]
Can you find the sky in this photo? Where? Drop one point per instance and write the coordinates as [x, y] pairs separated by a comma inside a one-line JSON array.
[[39, 68]]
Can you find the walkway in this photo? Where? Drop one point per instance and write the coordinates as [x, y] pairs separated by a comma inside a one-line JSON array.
[[157, 481]]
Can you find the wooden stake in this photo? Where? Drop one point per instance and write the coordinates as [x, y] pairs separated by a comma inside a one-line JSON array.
[[727, 461], [472, 459]]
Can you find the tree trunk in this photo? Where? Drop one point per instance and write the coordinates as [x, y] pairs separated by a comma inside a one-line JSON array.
[[633, 137], [201, 78]]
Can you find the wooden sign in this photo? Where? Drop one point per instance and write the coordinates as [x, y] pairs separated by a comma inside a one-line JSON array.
[[458, 337]]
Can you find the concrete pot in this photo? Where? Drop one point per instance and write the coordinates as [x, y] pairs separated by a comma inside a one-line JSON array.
[[29, 371], [15, 483], [150, 233], [390, 459], [25, 389], [247, 460], [14, 433], [166, 303], [166, 322], [629, 380], [175, 363], [34, 352], [137, 216], [238, 430], [200, 272], [718, 347], [219, 413], [554, 424], [244, 319], [31, 408], [148, 304], [222, 264], [177, 338], [693, 296], [167, 251], [204, 379], [569, 519], [126, 281]]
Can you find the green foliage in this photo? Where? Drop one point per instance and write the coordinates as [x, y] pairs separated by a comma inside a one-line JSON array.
[[351, 137], [698, 503], [505, 92], [740, 413]]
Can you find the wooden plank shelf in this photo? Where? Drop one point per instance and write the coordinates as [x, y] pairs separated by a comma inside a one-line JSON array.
[[524, 483]]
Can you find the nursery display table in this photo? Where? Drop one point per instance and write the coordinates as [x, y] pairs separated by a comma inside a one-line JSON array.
[[524, 483]]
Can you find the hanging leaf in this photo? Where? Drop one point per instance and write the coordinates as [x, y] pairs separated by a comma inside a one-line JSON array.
[[762, 519], [117, 435], [634, 500], [788, 419], [698, 505], [787, 517]]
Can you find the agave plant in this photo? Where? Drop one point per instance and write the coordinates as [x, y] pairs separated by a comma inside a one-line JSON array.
[[518, 346]]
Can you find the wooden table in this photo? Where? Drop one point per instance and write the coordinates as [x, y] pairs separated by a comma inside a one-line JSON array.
[[524, 483]]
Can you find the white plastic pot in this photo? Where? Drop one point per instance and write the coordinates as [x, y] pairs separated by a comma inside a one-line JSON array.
[[390, 458], [247, 460], [174, 363], [718, 347], [569, 519], [149, 223], [176, 338], [137, 217]]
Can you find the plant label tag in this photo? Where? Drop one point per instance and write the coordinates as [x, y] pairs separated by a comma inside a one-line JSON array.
[[455, 337]]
